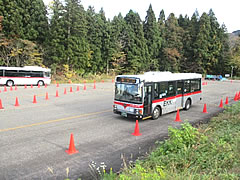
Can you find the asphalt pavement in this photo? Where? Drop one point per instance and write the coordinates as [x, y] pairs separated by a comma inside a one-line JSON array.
[[34, 136]]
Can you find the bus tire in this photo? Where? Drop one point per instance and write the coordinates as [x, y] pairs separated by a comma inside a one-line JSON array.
[[40, 83], [156, 113], [9, 83], [187, 105]]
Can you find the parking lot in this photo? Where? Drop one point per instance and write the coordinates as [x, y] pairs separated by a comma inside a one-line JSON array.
[[34, 136]]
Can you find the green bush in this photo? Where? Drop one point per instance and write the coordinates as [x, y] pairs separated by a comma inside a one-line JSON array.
[[209, 152]]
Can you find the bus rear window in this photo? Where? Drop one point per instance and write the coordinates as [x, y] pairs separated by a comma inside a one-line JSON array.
[[37, 74]]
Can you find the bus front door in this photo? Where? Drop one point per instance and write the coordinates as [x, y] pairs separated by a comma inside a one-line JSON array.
[[147, 100]]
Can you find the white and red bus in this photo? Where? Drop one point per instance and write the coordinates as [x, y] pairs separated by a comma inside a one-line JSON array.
[[28, 75], [155, 93]]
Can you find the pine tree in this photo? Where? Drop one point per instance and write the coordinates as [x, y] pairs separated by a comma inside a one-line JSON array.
[[118, 59], [202, 45], [56, 48], [173, 49], [25, 19], [135, 44], [153, 39], [77, 47], [162, 61]]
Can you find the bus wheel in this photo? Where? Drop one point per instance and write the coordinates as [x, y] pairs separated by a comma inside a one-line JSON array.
[[40, 83], [187, 105], [156, 113], [9, 83]]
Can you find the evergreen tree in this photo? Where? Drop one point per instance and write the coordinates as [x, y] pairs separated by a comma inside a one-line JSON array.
[[153, 39], [55, 54], [173, 49], [224, 57], [118, 59], [202, 48], [25, 19], [77, 47], [135, 44], [107, 44], [162, 61], [94, 36]]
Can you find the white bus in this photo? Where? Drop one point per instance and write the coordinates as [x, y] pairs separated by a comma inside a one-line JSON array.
[[155, 93], [28, 75]]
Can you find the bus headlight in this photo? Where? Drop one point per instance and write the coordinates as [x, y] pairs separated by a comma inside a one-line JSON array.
[[114, 107], [138, 111]]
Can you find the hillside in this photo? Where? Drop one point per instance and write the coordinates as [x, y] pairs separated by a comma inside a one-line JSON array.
[[233, 37]]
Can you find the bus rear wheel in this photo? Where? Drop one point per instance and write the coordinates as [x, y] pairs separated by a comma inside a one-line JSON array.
[[9, 83], [187, 105], [156, 113], [40, 83]]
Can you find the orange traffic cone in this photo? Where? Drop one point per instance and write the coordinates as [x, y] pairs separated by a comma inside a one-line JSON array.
[[77, 88], [71, 149], [178, 117], [34, 99], [84, 87], [205, 108], [11, 88], [65, 91], [46, 98], [38, 85], [57, 93], [71, 89], [15, 87], [25, 86], [1, 107], [57, 85], [136, 131], [226, 102], [236, 97], [221, 104], [16, 102], [112, 80], [5, 89], [31, 86], [239, 95], [102, 81], [45, 85], [94, 85]]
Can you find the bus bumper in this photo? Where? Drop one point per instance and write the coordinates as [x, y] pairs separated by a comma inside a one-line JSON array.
[[127, 115]]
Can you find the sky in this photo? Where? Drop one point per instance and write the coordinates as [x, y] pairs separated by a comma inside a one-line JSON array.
[[227, 12]]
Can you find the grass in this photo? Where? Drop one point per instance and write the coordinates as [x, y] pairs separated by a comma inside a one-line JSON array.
[[61, 79], [211, 151]]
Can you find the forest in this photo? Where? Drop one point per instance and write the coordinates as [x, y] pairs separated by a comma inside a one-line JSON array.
[[65, 35]]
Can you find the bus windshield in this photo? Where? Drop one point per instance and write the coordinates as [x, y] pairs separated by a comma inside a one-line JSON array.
[[128, 92]]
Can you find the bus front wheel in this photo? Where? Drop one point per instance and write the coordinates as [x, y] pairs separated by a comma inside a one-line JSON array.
[[9, 83], [40, 83], [156, 113]]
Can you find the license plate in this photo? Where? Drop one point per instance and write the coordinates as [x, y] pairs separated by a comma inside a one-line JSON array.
[[124, 114]]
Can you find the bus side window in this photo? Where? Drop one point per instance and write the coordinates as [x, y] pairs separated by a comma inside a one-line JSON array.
[[179, 87], [163, 89], [195, 85], [171, 88], [1, 72], [186, 86]]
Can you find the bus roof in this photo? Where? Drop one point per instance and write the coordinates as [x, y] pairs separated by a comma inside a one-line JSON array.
[[27, 68], [156, 76]]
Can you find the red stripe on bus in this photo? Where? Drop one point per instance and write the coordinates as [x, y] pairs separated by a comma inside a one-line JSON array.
[[126, 105], [23, 77], [173, 97]]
